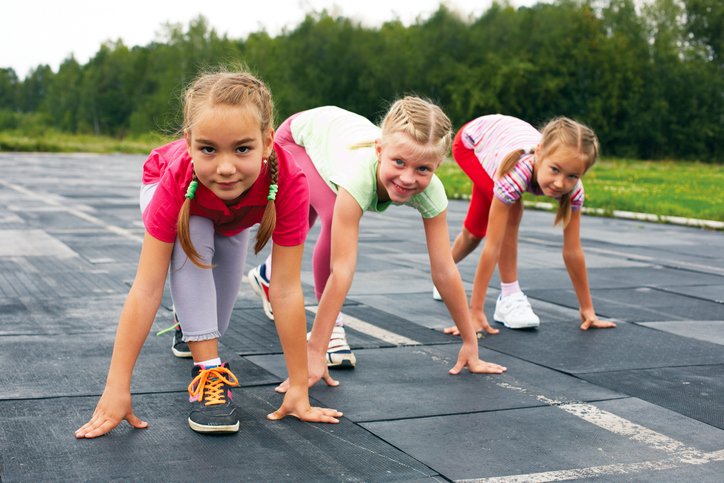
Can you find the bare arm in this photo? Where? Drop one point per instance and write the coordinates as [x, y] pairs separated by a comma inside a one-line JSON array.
[[446, 277], [135, 322], [497, 223], [287, 299], [575, 262], [345, 236]]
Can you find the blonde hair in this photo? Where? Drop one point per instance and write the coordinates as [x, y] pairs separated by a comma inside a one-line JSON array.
[[560, 132], [229, 89], [422, 120]]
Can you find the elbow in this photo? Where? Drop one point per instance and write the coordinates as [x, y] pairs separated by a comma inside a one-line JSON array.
[[342, 275], [442, 277], [572, 255], [146, 293], [284, 292]]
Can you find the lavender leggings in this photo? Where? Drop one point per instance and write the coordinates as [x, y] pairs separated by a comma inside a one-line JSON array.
[[204, 298], [322, 200]]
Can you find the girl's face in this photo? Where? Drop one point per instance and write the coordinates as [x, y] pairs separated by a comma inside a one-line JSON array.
[[559, 172], [227, 147], [405, 168]]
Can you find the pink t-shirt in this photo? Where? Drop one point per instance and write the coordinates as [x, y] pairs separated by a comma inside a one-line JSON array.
[[170, 166], [492, 138]]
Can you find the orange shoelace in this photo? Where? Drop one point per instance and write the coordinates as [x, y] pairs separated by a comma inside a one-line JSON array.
[[209, 385]]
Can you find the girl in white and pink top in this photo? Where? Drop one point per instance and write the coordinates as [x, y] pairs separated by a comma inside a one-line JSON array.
[[505, 157]]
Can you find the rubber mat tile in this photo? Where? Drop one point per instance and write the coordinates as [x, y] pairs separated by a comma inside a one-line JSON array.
[[695, 391], [54, 218], [657, 276], [251, 332], [525, 442], [422, 310], [32, 242], [706, 330], [416, 308], [59, 317], [13, 316], [715, 293], [413, 382], [38, 444], [397, 325], [564, 347], [400, 281], [77, 366], [637, 305]]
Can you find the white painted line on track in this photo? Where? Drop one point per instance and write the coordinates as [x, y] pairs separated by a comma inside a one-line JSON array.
[[75, 212], [372, 330], [680, 453], [599, 471]]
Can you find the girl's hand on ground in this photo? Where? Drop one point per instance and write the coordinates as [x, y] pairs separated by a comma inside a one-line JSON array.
[[110, 411], [475, 365], [296, 404], [590, 321], [318, 370], [480, 324]]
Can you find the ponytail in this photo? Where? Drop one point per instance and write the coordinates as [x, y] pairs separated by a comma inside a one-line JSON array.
[[269, 220], [182, 226], [509, 162], [563, 214]]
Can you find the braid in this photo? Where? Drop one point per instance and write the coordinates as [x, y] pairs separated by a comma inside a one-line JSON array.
[[269, 220], [423, 121], [182, 227]]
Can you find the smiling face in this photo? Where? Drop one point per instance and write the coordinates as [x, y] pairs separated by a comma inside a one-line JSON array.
[[558, 172], [227, 147], [405, 167]]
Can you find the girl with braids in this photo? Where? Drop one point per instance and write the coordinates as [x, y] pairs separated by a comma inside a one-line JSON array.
[[353, 166], [505, 157], [200, 195]]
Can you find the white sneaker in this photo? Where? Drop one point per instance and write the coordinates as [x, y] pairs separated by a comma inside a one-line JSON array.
[[339, 355], [515, 312], [435, 294]]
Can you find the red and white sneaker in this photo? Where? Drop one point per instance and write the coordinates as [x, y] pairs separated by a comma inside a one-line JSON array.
[[260, 285]]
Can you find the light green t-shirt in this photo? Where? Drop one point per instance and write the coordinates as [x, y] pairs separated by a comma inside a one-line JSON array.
[[331, 136]]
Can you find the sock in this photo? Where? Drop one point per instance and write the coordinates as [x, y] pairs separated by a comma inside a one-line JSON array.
[[216, 362], [509, 288], [267, 267], [340, 320]]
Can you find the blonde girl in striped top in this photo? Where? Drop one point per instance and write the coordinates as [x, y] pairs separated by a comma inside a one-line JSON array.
[[505, 157]]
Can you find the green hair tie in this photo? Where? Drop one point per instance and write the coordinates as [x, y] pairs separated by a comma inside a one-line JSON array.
[[273, 188], [191, 192]]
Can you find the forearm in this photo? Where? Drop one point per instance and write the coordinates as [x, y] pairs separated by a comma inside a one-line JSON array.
[[576, 265], [288, 306], [453, 294], [330, 305], [483, 274], [134, 325]]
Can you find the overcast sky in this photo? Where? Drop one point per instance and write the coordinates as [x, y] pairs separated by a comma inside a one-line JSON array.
[[34, 32]]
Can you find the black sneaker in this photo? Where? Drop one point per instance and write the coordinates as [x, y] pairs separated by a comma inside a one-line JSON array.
[[179, 347], [212, 410]]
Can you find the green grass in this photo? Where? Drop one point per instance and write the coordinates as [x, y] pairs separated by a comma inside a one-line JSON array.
[[53, 141], [666, 188]]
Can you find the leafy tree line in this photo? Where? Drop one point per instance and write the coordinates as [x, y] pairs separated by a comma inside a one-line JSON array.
[[648, 78]]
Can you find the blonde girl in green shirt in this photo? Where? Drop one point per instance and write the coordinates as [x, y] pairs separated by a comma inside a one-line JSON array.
[[353, 166]]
